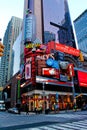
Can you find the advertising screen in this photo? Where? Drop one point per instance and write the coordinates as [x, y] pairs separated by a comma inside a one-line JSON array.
[[82, 78]]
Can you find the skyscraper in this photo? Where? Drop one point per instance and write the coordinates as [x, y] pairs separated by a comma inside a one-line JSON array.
[[59, 22], [81, 31], [12, 31]]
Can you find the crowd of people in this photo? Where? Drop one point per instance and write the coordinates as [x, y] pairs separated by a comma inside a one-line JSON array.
[[39, 110]]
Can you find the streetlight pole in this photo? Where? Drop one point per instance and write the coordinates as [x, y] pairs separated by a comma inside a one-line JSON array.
[[18, 89], [71, 69], [43, 97], [73, 90]]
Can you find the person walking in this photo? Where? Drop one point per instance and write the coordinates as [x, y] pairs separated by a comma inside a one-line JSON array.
[[26, 109]]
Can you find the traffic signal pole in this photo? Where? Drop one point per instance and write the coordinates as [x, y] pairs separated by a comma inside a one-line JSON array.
[[1, 48]]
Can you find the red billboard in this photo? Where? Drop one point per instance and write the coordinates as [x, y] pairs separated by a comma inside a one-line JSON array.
[[82, 78], [63, 48], [67, 49]]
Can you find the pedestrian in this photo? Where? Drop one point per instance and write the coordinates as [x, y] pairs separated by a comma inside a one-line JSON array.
[[18, 108], [75, 107], [36, 110], [26, 109], [67, 107], [56, 107]]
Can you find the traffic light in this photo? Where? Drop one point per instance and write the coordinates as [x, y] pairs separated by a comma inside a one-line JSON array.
[[1, 49], [81, 57]]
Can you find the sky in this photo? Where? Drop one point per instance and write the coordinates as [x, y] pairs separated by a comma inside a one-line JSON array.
[[9, 8], [76, 7]]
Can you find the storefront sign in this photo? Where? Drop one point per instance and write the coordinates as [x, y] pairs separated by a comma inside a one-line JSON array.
[[45, 57]]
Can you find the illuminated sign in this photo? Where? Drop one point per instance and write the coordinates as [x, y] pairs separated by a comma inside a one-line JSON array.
[[48, 71], [53, 63], [67, 49], [29, 28], [82, 77], [71, 70], [32, 45], [63, 78], [45, 57], [27, 71], [63, 48], [63, 64]]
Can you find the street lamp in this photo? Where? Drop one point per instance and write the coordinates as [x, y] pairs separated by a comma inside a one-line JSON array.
[[43, 97], [73, 90], [44, 83], [18, 89], [71, 70]]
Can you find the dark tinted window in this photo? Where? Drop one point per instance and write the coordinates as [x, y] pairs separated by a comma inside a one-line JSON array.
[[57, 13]]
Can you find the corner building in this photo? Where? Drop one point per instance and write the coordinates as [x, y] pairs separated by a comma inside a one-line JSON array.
[[41, 90]]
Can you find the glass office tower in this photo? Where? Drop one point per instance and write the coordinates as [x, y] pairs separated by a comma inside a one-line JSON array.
[[53, 17], [81, 31]]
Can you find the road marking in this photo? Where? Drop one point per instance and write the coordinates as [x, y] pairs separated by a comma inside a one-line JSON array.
[[79, 125]]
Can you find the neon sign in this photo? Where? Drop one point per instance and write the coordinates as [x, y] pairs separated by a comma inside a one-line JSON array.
[[32, 45]]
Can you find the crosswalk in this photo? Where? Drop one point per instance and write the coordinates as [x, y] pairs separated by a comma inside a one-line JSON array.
[[69, 116], [79, 125]]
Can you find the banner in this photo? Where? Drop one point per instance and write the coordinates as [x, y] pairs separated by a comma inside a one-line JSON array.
[[27, 71], [48, 71], [67, 49]]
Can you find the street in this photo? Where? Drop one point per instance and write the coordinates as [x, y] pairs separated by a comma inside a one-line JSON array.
[[63, 121]]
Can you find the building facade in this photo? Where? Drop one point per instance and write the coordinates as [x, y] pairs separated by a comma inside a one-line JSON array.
[[48, 76], [80, 24], [81, 31], [12, 31], [39, 89]]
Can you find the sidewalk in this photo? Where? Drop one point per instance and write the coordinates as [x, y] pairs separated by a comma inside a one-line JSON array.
[[52, 112]]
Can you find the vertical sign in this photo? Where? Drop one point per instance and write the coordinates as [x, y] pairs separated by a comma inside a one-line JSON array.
[[71, 70], [28, 71], [29, 28]]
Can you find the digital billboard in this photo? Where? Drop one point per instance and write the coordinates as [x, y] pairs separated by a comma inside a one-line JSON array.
[[82, 78]]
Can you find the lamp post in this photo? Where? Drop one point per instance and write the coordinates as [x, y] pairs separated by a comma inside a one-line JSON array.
[[18, 89], [71, 69], [43, 97], [73, 90]]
